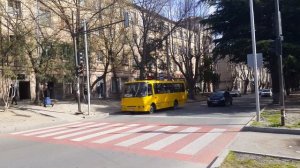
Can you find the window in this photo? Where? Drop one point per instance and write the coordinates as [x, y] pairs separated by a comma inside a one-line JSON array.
[[45, 17], [133, 63], [159, 88], [150, 90], [178, 87], [125, 60], [63, 24], [135, 89], [99, 57], [14, 8], [115, 85], [133, 18], [12, 38]]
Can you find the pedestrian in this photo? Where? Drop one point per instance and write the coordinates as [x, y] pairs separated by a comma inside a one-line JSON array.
[[12, 94], [46, 93]]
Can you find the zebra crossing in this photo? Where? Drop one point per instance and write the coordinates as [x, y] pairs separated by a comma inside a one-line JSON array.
[[183, 142]]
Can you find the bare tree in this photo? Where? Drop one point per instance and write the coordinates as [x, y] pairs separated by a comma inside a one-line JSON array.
[[195, 44], [150, 33]]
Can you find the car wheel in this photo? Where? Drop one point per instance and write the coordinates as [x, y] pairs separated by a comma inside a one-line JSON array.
[[152, 109], [175, 106]]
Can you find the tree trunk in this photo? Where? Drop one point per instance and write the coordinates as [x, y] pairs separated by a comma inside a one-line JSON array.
[[191, 87], [204, 87], [37, 91], [142, 74], [104, 87], [246, 83]]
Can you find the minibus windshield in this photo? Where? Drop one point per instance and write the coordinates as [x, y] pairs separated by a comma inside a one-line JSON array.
[[135, 89]]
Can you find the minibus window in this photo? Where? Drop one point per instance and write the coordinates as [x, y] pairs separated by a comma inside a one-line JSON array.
[[135, 89], [150, 90]]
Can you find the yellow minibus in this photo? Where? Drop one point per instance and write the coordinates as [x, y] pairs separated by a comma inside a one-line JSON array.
[[151, 95]]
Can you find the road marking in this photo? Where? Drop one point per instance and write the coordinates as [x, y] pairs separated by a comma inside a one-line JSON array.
[[201, 142], [69, 130], [39, 129], [87, 131], [190, 117], [103, 133], [57, 129], [171, 139], [113, 137], [146, 136]]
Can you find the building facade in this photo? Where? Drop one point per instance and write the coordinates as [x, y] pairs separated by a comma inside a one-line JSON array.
[[114, 51]]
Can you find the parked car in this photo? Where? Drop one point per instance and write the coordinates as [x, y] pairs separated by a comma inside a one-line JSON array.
[[235, 93], [266, 93], [219, 98]]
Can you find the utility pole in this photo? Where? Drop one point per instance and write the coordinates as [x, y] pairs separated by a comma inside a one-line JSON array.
[[278, 40], [255, 60]]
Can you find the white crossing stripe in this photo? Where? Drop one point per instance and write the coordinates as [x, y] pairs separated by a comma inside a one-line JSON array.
[[57, 129], [171, 139], [86, 131], [201, 142], [39, 129], [146, 136], [103, 133], [69, 130], [113, 137]]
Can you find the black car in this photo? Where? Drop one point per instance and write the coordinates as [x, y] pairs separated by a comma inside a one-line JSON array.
[[219, 98]]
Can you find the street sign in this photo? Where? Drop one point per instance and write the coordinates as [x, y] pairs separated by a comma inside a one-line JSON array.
[[250, 60]]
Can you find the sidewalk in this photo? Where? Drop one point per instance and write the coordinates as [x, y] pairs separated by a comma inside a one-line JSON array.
[[26, 115], [270, 144]]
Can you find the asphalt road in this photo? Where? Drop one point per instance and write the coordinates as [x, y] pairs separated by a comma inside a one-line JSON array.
[[188, 137]]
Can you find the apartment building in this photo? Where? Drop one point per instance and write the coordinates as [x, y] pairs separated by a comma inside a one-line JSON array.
[[46, 28], [240, 77]]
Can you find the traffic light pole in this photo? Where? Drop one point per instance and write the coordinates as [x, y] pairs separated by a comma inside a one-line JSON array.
[[279, 57], [77, 76], [85, 31]]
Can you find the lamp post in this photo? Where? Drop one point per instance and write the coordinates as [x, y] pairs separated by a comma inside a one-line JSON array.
[[255, 60]]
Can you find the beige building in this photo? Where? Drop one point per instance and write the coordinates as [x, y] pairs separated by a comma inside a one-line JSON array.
[[238, 76], [45, 24]]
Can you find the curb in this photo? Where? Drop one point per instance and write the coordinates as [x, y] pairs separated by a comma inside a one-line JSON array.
[[249, 128], [218, 162], [271, 130], [220, 159], [267, 155]]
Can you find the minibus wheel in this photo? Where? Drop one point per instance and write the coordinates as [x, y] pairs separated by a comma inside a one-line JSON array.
[[152, 109], [175, 105]]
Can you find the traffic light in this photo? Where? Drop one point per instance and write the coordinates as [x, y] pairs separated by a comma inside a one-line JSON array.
[[79, 69], [80, 58]]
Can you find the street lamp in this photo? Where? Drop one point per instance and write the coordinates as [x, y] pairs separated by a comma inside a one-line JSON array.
[[255, 60]]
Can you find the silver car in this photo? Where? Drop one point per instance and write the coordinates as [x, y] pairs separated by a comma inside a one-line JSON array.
[[266, 93]]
